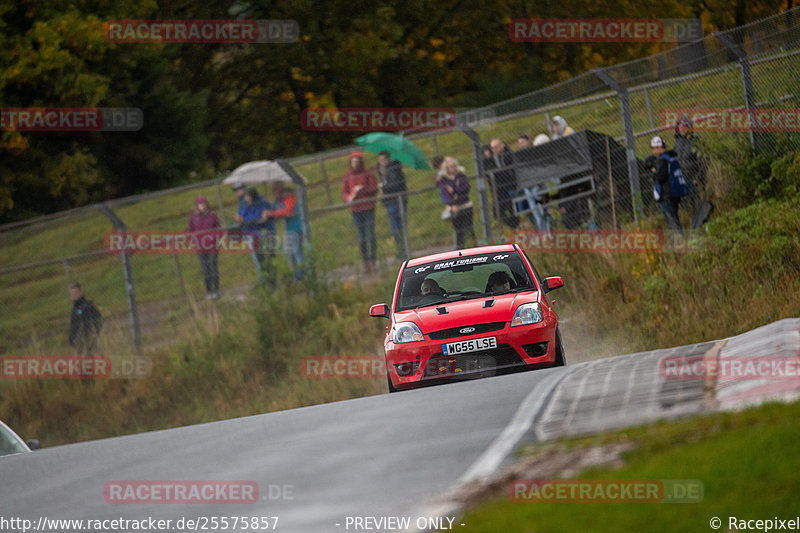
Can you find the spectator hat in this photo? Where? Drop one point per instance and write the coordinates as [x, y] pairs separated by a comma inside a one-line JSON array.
[[540, 139], [656, 141], [239, 186], [201, 200]]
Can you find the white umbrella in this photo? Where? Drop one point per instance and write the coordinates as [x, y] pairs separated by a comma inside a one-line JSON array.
[[259, 172]]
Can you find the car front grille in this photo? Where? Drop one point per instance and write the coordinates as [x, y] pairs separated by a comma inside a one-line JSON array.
[[452, 333], [503, 356]]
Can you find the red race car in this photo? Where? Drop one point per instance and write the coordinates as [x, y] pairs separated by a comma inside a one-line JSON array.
[[469, 313]]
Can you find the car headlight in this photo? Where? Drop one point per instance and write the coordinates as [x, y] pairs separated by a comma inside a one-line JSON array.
[[527, 314], [406, 332]]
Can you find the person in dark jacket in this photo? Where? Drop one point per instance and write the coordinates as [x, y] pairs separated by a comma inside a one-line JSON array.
[[669, 204], [505, 180], [687, 146], [359, 184], [84, 323], [393, 181], [202, 222], [454, 185]]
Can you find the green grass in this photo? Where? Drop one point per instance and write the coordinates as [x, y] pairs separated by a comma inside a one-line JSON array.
[[233, 359], [746, 462]]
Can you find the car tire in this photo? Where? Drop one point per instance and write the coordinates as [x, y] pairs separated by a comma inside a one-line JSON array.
[[560, 358], [389, 381]]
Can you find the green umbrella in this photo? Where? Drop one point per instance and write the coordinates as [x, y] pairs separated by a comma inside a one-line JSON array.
[[398, 147]]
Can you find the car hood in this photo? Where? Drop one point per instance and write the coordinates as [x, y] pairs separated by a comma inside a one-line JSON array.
[[467, 312]]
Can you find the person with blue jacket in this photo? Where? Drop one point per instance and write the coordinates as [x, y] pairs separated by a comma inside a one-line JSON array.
[[253, 218]]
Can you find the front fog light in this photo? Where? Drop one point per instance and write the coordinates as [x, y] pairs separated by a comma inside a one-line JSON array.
[[406, 369]]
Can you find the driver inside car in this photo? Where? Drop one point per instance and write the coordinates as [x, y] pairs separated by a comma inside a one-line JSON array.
[[431, 288], [498, 282]]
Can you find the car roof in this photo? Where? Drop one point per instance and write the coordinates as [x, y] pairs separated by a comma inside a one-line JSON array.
[[458, 253]]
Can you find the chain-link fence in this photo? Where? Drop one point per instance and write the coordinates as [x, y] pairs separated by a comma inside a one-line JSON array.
[[525, 170]]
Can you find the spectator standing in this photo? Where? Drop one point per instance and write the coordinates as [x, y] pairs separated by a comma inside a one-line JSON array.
[[201, 223], [687, 146], [239, 189], [85, 322], [560, 128], [359, 184], [668, 202], [254, 219], [285, 206], [455, 187], [393, 181], [436, 163], [505, 180]]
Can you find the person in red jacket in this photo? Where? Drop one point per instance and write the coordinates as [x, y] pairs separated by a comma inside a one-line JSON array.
[[202, 223], [359, 189]]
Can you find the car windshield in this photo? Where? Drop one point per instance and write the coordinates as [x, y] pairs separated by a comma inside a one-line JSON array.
[[9, 443], [461, 278]]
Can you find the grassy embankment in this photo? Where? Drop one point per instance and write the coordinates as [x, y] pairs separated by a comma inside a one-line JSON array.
[[745, 461]]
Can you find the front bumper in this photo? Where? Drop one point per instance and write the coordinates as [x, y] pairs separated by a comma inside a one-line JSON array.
[[519, 348]]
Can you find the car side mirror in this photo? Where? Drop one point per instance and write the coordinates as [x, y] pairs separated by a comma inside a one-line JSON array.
[[552, 283], [379, 311], [34, 444]]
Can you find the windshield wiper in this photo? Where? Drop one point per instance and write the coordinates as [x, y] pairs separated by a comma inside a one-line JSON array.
[[454, 299], [509, 291], [431, 303]]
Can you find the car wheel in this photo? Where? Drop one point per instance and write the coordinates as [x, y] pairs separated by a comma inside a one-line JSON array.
[[560, 359], [389, 380]]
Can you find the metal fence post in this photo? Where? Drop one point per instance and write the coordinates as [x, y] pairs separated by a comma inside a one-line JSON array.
[[483, 198], [133, 311], [221, 203], [403, 225], [630, 146], [747, 83]]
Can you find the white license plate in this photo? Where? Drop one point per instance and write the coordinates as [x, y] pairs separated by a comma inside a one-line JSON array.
[[473, 345]]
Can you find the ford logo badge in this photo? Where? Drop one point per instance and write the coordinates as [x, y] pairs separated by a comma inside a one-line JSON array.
[[466, 330]]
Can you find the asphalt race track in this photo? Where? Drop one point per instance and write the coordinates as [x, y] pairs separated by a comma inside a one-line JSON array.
[[380, 456]]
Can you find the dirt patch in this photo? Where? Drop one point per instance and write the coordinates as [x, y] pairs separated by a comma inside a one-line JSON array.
[[549, 462]]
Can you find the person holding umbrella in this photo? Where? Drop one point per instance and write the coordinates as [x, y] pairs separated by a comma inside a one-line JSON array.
[[359, 184]]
